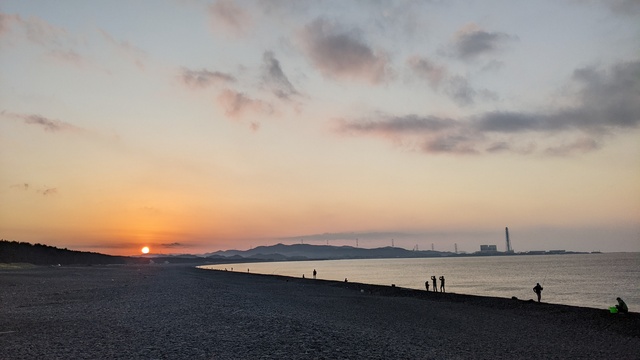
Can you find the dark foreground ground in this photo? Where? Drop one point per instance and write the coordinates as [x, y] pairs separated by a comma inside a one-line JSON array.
[[180, 312]]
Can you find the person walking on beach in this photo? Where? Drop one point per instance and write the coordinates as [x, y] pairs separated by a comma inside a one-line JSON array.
[[435, 283], [622, 307], [442, 284], [426, 284], [538, 290], [314, 273]]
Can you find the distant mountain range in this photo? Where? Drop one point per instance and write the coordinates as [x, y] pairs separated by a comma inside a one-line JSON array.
[[38, 254]]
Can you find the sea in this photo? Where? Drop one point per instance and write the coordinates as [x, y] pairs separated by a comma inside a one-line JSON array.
[[586, 280]]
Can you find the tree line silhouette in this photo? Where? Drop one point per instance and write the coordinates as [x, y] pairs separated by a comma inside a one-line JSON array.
[[39, 254]]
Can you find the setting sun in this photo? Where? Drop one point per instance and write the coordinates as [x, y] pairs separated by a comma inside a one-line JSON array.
[[145, 250]]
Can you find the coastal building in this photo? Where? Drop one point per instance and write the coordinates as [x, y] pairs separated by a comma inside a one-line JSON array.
[[488, 248]]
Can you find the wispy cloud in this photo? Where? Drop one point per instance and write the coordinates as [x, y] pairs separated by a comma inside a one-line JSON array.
[[127, 50], [57, 41], [584, 144], [622, 7], [228, 17], [606, 101], [428, 69], [174, 245], [364, 236], [459, 89], [45, 191], [23, 186], [455, 87], [343, 55], [68, 56], [471, 41], [275, 79], [48, 191], [409, 124], [50, 125], [204, 78]]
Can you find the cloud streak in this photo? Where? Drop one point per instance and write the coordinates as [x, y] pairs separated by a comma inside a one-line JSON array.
[[200, 79], [47, 191], [343, 55], [607, 101], [23, 186], [49, 125], [174, 245], [471, 42]]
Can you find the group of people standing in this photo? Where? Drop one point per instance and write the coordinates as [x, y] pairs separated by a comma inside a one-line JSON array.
[[621, 307], [435, 284]]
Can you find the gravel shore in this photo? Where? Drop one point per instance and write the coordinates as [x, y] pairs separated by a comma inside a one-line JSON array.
[[181, 312]]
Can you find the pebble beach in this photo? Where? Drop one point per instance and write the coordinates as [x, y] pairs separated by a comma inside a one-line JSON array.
[[182, 312]]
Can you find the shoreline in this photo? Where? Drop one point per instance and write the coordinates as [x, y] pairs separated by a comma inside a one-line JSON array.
[[179, 311], [389, 290]]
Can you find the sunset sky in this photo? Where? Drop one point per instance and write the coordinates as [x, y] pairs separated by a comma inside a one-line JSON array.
[[194, 126]]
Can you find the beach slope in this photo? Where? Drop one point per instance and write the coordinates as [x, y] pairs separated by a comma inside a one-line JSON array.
[[181, 312]]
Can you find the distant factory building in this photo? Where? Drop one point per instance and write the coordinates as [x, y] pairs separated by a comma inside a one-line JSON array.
[[486, 248]]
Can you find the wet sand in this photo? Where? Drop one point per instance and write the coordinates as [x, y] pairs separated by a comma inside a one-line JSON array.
[[180, 312]]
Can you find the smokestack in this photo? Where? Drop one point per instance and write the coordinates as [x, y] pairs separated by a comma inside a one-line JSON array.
[[506, 231]]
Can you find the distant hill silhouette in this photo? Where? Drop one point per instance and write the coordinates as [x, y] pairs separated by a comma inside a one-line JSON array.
[[311, 252]]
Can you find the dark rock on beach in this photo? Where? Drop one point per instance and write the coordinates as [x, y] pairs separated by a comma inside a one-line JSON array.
[[181, 312]]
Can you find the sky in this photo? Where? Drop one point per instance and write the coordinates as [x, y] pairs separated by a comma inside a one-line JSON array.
[[195, 126]]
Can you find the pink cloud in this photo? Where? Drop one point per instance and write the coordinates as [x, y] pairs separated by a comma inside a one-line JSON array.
[[35, 30], [227, 16], [6, 22], [236, 104]]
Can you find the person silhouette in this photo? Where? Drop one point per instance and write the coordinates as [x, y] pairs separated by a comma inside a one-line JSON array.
[[435, 283], [442, 284], [538, 290], [314, 273], [622, 307], [426, 284]]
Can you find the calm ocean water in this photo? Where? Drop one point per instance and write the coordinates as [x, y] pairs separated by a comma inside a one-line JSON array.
[[590, 280]]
